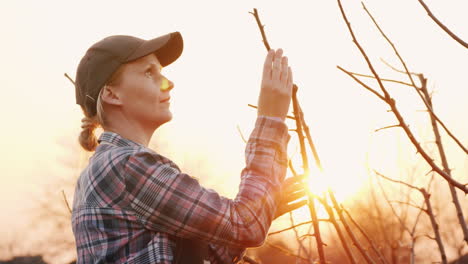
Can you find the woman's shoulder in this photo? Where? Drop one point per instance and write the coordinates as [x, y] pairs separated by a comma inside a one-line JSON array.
[[122, 155]]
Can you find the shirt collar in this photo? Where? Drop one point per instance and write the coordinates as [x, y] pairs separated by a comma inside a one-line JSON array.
[[117, 140]]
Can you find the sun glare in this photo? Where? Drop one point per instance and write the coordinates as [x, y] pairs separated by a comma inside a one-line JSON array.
[[338, 181]]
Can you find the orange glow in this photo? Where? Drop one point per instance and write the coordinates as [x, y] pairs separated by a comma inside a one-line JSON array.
[[343, 186]]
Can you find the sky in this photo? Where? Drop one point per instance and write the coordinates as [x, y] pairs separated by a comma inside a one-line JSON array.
[[218, 75]]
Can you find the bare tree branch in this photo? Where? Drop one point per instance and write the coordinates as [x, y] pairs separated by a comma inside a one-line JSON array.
[[441, 25], [261, 27], [356, 243], [434, 224], [429, 212], [296, 234], [418, 89], [363, 84], [374, 248], [333, 220], [305, 163], [318, 163], [391, 102], [443, 158]]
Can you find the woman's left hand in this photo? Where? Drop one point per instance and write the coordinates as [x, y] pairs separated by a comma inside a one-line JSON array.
[[293, 189]]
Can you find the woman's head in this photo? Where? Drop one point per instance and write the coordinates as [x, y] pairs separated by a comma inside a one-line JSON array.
[[119, 79]]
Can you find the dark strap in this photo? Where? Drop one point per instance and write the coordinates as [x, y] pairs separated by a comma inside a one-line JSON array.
[[190, 252]]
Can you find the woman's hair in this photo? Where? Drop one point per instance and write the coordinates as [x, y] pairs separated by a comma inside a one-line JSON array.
[[89, 124]]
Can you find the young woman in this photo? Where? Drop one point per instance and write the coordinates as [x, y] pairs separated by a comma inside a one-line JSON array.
[[133, 205]]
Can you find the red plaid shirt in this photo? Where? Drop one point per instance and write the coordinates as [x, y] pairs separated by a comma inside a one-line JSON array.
[[131, 204]]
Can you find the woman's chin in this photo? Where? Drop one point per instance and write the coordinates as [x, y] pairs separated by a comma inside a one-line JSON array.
[[164, 119]]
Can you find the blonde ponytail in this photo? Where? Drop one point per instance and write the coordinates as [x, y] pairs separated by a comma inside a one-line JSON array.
[[87, 137]]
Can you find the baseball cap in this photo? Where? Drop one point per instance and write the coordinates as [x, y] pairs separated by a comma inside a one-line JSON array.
[[104, 57]]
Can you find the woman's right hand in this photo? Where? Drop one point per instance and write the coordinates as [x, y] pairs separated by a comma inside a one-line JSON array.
[[276, 88]]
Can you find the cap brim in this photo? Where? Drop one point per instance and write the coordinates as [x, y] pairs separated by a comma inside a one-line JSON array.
[[167, 48]]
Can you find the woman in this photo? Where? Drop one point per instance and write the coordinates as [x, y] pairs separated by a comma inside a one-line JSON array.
[[131, 204]]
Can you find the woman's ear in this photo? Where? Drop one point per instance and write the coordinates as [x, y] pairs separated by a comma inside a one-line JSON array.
[[110, 96]]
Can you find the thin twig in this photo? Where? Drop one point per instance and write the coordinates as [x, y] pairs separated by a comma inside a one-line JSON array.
[[69, 78], [397, 70], [396, 181], [66, 201], [382, 128], [363, 84], [380, 218], [385, 80], [261, 27], [285, 251], [249, 260], [291, 227], [240, 133], [402, 223], [296, 234], [441, 25], [409, 204]]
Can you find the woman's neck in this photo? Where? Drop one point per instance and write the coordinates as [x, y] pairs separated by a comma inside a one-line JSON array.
[[132, 131]]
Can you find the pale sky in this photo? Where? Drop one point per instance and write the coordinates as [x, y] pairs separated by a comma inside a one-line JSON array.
[[216, 77]]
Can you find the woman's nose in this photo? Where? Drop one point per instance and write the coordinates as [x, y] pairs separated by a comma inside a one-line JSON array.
[[166, 85]]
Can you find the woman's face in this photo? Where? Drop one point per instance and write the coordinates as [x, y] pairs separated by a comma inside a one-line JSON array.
[[144, 92]]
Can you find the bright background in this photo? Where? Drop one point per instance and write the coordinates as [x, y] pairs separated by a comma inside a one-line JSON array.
[[216, 77]]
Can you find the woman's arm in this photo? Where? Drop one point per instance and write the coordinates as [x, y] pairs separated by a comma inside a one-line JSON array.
[[168, 201]]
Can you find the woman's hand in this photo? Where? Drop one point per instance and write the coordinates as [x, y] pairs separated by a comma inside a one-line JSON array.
[[276, 88], [293, 189]]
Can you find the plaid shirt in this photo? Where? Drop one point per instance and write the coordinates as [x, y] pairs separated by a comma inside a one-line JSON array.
[[131, 204]]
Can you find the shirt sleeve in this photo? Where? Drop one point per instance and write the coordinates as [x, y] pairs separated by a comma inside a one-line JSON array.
[[166, 200]]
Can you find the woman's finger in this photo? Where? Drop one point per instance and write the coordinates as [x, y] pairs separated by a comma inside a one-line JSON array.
[[284, 70], [276, 70], [268, 64], [292, 184], [290, 197], [290, 79], [285, 208]]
